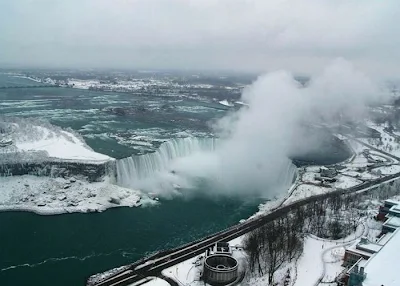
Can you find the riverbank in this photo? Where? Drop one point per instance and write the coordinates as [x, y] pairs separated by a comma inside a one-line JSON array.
[[49, 196]]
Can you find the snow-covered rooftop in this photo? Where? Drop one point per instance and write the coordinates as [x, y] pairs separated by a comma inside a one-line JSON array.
[[395, 209], [369, 247], [385, 238], [393, 222], [382, 268], [362, 252], [390, 201]]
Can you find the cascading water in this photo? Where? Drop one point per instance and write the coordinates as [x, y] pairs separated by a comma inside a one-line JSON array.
[[288, 174], [133, 170], [184, 162]]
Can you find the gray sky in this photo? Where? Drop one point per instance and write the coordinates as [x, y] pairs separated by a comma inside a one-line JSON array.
[[248, 35]]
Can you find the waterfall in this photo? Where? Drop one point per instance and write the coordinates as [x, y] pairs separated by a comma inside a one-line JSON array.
[[288, 174], [185, 162], [134, 169]]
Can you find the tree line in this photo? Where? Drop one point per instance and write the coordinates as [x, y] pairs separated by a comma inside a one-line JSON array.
[[281, 241]]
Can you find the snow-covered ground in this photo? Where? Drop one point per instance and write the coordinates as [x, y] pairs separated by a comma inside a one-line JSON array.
[[226, 103], [46, 195], [304, 190], [388, 170], [320, 263], [29, 78], [344, 182], [188, 272], [135, 84], [63, 145], [50, 140], [154, 281], [185, 273], [388, 142]]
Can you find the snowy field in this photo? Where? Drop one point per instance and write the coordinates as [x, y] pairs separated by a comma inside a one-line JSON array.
[[388, 170], [44, 195], [64, 145], [303, 191], [50, 140]]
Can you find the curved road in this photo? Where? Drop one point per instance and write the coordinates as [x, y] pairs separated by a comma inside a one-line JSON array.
[[152, 266]]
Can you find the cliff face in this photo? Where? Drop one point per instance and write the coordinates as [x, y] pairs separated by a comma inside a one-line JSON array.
[[90, 171]]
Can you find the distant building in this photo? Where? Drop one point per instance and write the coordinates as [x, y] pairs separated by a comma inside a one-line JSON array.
[[327, 172], [362, 249], [357, 276], [382, 268], [391, 207], [220, 267], [375, 263], [365, 152], [391, 224]]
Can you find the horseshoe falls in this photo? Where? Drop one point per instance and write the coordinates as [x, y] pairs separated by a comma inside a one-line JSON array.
[[132, 171], [185, 162]]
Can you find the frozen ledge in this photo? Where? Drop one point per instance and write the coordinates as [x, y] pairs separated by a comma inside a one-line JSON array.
[[51, 196]]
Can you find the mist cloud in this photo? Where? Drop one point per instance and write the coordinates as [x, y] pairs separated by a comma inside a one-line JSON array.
[[255, 142]]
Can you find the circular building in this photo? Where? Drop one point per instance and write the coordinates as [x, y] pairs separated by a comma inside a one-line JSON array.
[[220, 269]]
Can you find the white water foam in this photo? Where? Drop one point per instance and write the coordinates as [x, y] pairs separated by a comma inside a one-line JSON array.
[[134, 170], [186, 162]]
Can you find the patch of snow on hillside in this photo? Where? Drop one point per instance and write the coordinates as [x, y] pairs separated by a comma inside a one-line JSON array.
[[304, 190], [52, 140]]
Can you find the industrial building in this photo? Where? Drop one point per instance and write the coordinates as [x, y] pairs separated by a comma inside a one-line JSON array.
[[220, 267]]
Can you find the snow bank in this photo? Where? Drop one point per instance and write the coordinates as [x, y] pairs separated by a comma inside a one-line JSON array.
[[344, 182], [46, 195], [30, 137], [62, 145], [304, 190], [310, 266], [388, 170], [155, 281], [226, 103]]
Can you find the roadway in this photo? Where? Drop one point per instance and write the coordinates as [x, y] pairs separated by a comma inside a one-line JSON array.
[[152, 266], [373, 148]]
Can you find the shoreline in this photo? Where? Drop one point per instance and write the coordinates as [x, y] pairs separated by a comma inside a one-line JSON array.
[[54, 196], [55, 212]]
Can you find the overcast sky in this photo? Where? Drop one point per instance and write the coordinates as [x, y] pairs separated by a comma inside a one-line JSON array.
[[249, 35]]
